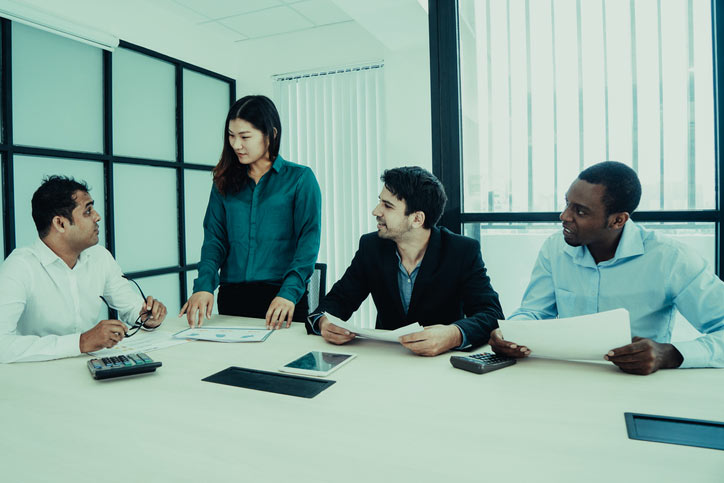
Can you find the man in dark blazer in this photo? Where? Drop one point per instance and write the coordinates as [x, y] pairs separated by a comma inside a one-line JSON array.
[[416, 272]]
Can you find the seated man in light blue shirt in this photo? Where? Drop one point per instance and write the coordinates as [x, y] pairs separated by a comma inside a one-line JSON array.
[[601, 261]]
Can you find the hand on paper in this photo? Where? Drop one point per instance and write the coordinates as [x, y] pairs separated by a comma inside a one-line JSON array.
[[280, 311], [433, 340], [332, 333], [197, 307], [506, 348], [644, 356], [105, 334], [156, 312]]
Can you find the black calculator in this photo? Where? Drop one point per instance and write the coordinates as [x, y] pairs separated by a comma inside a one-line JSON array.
[[481, 363], [125, 365]]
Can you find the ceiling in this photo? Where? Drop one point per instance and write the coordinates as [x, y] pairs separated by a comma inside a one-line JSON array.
[[398, 24], [254, 19]]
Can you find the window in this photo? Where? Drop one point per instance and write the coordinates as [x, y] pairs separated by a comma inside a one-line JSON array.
[[135, 125], [551, 87], [546, 88]]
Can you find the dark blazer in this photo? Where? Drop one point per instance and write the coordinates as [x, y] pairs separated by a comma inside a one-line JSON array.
[[451, 286]]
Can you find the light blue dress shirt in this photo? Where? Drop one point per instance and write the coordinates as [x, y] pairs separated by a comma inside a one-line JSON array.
[[650, 276]]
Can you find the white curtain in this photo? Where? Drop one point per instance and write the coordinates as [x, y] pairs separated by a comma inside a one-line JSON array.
[[333, 122]]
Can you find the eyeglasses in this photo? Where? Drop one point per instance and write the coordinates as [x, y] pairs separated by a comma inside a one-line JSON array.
[[142, 318]]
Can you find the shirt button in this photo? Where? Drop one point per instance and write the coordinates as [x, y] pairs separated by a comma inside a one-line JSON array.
[[409, 281]]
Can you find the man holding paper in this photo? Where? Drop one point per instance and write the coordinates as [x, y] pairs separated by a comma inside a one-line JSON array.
[[416, 272], [602, 261]]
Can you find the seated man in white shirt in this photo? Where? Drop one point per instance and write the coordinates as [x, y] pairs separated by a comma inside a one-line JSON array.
[[602, 260], [50, 292]]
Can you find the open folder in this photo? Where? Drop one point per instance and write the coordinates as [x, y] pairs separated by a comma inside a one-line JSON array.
[[377, 334], [586, 337]]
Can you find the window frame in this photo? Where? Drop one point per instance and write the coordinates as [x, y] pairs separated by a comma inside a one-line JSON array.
[[8, 150], [447, 132]]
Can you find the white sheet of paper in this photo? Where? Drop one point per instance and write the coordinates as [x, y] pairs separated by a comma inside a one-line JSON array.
[[225, 334], [586, 337], [376, 334], [140, 342]]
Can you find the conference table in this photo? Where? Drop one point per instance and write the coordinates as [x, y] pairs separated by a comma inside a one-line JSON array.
[[390, 416]]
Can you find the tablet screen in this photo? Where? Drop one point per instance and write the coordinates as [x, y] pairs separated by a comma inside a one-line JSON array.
[[318, 361]]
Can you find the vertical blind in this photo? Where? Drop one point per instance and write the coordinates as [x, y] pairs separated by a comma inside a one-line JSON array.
[[333, 122], [552, 86]]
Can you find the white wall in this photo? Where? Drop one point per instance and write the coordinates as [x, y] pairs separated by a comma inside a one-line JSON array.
[[407, 84], [407, 79]]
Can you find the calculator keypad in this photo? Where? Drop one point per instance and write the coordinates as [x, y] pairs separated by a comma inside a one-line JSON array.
[[123, 365]]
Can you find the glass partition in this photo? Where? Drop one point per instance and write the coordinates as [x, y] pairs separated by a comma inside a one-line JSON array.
[[55, 106], [196, 194], [144, 106], [146, 217], [206, 103]]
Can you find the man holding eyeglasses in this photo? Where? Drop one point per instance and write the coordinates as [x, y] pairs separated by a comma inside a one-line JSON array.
[[51, 292]]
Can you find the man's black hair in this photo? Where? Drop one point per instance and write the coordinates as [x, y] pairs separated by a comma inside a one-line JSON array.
[[420, 189], [54, 198], [623, 188]]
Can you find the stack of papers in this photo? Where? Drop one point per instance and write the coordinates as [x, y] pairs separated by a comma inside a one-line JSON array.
[[140, 342], [376, 334], [225, 334], [583, 338]]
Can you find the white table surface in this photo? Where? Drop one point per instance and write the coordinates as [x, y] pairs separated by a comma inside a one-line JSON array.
[[391, 416]]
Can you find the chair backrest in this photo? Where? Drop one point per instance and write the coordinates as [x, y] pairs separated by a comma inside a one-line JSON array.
[[317, 285]]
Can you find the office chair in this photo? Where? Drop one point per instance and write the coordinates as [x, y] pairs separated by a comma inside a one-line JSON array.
[[317, 285]]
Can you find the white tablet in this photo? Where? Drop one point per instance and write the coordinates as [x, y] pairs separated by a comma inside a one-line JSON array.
[[316, 363]]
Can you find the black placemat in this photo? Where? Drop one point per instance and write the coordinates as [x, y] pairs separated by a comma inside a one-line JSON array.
[[270, 381], [664, 429]]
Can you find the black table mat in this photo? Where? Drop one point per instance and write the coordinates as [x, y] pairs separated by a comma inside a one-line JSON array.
[[270, 381]]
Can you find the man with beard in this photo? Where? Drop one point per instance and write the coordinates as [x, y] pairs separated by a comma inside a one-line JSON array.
[[602, 260], [416, 272], [50, 292]]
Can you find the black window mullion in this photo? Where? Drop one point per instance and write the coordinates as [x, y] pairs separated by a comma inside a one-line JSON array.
[[717, 16], [445, 105], [7, 161], [109, 204], [180, 186]]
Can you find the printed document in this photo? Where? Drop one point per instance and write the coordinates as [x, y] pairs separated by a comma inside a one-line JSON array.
[[376, 334], [586, 337], [225, 334]]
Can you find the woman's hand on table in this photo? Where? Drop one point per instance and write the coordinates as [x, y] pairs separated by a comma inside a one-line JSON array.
[[280, 312], [197, 307]]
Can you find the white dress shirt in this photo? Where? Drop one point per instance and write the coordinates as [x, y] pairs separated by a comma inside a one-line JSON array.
[[650, 275], [45, 305]]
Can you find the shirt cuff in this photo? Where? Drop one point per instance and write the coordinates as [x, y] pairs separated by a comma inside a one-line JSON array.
[[292, 288], [695, 353], [69, 345], [313, 322], [465, 343]]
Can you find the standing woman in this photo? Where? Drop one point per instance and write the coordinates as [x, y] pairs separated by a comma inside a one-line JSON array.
[[262, 226]]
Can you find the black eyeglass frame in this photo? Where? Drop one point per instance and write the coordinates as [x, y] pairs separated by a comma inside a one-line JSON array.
[[140, 321]]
